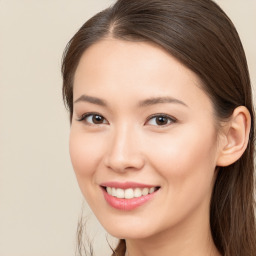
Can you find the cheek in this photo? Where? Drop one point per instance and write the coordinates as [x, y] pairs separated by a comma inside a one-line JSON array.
[[85, 156], [186, 164], [186, 160], [85, 153]]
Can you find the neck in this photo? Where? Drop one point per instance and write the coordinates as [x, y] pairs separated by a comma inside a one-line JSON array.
[[144, 249]]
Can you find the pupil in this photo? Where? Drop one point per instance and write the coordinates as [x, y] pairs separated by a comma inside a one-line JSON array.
[[97, 119], [161, 120]]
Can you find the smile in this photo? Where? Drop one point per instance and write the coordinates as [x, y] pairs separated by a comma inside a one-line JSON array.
[[128, 196], [130, 192]]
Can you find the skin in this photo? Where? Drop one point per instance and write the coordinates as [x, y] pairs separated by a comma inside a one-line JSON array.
[[129, 145]]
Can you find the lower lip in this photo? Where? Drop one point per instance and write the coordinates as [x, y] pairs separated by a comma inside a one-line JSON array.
[[127, 204]]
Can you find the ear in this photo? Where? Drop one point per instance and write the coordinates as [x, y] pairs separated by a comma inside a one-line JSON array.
[[234, 137]]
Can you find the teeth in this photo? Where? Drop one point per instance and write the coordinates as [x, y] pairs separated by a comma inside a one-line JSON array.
[[113, 192], [137, 192], [120, 193], [109, 190], [129, 193], [151, 190], [145, 191]]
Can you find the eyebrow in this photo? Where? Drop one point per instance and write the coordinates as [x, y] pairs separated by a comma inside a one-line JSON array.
[[158, 100], [90, 99], [144, 103]]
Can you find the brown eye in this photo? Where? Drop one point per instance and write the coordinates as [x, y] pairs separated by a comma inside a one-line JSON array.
[[93, 119], [96, 119], [161, 120]]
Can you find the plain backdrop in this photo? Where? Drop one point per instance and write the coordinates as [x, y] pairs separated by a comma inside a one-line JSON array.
[[40, 202]]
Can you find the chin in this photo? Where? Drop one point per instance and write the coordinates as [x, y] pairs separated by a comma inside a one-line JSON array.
[[129, 229], [133, 235]]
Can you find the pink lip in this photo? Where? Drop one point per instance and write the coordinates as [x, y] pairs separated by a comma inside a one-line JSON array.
[[126, 204]]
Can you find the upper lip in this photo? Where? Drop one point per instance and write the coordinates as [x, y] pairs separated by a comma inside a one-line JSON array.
[[125, 185]]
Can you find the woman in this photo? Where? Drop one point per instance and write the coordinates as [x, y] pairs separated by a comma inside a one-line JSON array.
[[162, 128]]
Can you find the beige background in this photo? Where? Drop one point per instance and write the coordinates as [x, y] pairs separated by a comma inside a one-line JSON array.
[[39, 199]]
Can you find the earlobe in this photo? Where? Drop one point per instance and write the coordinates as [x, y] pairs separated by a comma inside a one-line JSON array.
[[235, 138]]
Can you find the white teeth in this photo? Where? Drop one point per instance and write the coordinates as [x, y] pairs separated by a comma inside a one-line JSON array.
[[145, 191], [137, 192], [109, 190], [129, 193], [151, 190], [113, 192], [119, 193]]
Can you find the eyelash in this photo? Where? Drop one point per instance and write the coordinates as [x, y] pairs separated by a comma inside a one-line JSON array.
[[169, 118], [84, 116]]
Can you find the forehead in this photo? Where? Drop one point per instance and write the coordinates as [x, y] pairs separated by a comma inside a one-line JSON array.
[[118, 55], [138, 69]]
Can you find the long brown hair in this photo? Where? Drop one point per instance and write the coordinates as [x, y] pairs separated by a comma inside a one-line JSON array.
[[201, 36]]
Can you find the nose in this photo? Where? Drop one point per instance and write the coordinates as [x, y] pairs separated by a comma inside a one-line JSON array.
[[123, 151]]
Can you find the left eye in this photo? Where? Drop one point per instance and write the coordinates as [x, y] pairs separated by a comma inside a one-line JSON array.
[[160, 120]]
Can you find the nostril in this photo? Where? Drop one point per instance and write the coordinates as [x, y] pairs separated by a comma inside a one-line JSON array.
[[124, 163]]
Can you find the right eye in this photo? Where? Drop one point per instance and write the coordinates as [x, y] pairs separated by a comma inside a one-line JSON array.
[[93, 118]]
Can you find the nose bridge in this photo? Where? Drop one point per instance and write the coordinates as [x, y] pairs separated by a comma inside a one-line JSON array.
[[124, 150]]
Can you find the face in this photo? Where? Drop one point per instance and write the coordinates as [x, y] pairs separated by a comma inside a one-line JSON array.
[[143, 140]]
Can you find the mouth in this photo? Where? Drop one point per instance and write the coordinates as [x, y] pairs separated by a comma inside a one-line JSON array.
[[128, 196], [130, 193]]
